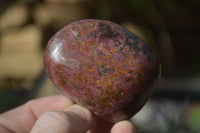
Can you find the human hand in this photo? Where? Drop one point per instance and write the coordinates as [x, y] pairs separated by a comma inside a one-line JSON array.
[[57, 114]]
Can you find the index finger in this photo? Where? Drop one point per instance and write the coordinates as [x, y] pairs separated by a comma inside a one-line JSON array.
[[23, 118]]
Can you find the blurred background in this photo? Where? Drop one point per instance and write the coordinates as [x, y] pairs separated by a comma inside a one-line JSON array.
[[170, 27]]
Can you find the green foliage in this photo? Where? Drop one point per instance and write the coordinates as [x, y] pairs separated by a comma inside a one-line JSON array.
[[135, 5], [102, 10], [8, 100], [194, 119]]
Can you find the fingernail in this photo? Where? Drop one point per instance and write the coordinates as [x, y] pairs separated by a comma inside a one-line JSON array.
[[123, 127], [80, 111]]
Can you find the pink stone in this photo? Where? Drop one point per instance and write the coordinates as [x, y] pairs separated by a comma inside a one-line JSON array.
[[103, 67]]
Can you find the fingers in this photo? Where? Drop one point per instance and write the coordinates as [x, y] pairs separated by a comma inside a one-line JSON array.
[[23, 118], [123, 127], [74, 119]]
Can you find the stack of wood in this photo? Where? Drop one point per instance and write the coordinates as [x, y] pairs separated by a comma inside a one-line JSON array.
[[24, 32]]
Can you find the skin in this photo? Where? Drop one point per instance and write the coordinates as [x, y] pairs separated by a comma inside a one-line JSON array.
[[57, 114]]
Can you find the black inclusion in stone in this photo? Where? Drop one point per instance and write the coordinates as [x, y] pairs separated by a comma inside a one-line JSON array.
[[107, 32], [135, 43], [148, 52]]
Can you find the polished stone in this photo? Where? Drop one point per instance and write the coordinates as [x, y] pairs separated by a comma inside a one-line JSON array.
[[103, 67]]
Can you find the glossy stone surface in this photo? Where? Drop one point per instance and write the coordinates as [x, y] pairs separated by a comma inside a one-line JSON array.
[[103, 67]]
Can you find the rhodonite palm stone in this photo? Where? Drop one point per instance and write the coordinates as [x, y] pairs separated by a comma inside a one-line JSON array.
[[103, 67]]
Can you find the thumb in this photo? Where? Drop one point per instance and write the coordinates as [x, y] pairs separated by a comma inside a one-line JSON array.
[[75, 119]]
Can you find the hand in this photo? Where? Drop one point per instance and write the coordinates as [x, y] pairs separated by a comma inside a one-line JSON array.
[[57, 114]]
